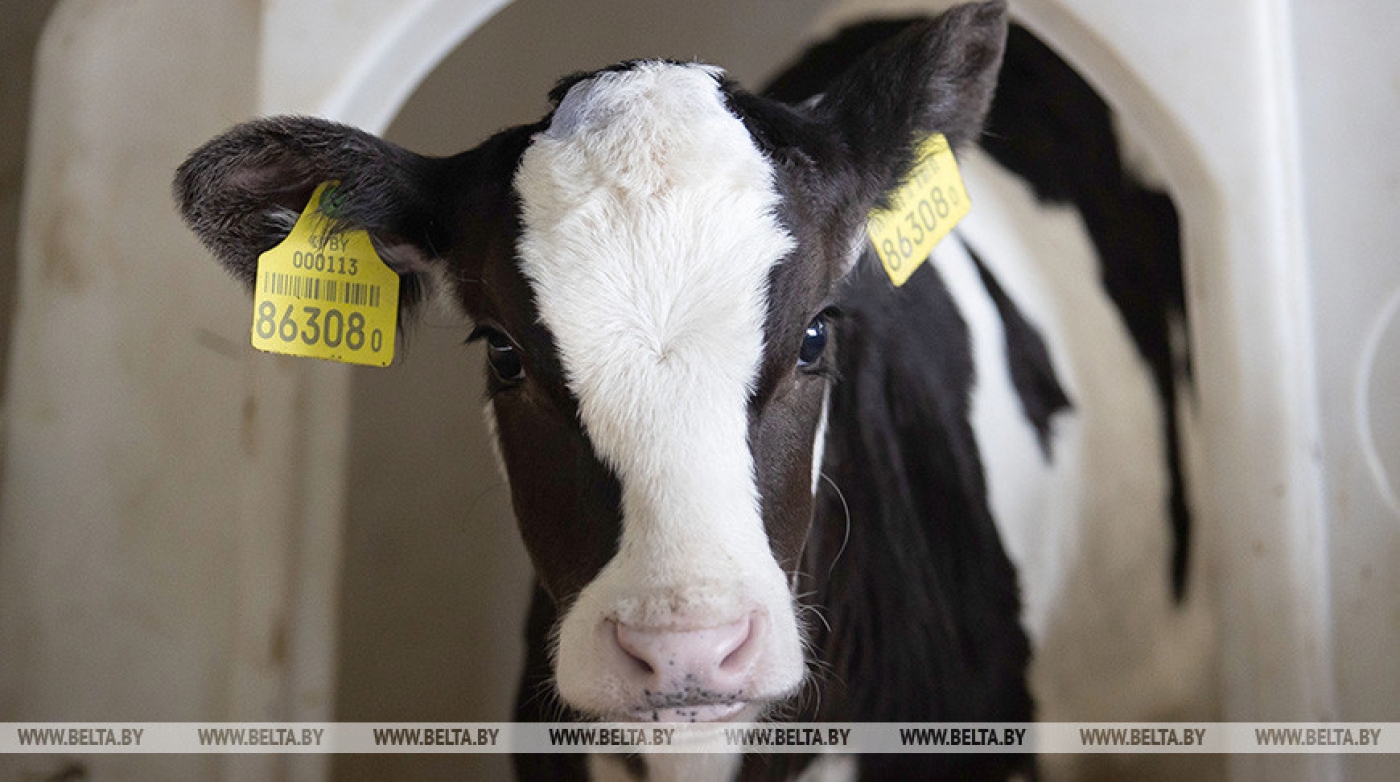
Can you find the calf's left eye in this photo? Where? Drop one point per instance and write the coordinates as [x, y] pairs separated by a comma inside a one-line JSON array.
[[813, 342], [504, 359]]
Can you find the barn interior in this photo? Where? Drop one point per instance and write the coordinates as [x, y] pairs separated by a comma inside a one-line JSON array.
[[191, 531]]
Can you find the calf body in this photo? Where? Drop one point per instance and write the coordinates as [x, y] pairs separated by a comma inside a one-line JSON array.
[[754, 478]]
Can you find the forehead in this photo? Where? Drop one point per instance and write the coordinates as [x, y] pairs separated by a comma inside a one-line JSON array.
[[648, 234]]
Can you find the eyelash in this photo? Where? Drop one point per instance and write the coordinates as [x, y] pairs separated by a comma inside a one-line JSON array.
[[502, 355]]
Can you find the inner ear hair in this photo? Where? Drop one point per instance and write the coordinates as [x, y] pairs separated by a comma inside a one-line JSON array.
[[241, 192]]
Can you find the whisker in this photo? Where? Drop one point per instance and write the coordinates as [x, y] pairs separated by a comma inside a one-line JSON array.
[[815, 611], [474, 509], [845, 509]]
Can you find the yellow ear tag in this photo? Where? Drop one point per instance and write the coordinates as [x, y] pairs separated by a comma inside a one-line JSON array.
[[921, 212], [326, 295]]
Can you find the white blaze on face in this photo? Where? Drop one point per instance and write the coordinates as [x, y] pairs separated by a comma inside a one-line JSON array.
[[648, 233]]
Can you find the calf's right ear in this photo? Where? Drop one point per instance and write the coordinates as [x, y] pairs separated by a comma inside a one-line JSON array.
[[241, 193]]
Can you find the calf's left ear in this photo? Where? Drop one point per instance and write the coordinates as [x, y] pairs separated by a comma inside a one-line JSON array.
[[934, 76], [242, 192]]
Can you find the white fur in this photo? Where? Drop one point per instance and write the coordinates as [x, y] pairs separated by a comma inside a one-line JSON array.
[[648, 235], [1088, 532], [714, 767], [831, 768], [819, 441], [709, 767], [1020, 483], [493, 436]]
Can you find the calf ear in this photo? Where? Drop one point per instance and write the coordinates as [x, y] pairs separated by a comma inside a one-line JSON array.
[[933, 76], [242, 192]]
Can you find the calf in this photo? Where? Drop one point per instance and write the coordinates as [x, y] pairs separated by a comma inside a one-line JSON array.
[[755, 479]]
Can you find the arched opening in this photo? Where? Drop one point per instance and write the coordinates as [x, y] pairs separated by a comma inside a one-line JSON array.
[[1226, 127], [434, 601]]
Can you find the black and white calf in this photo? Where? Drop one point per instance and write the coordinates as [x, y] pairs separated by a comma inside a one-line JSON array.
[[755, 479]]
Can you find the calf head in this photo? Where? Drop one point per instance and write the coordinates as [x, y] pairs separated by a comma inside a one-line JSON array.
[[652, 268]]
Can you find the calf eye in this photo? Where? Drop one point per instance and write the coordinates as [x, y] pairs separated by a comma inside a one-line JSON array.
[[501, 355], [504, 361], [813, 342]]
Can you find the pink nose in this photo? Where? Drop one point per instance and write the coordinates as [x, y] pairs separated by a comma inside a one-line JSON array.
[[713, 664]]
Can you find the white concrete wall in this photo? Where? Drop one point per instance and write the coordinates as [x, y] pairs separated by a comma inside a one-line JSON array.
[[125, 407], [1348, 114]]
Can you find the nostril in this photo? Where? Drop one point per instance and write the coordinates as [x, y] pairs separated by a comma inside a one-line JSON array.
[[707, 653], [634, 648], [741, 653]]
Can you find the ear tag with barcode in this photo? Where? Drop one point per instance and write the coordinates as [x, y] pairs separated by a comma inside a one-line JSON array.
[[921, 212], [324, 294]]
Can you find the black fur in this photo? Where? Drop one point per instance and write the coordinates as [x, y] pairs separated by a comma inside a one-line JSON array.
[[880, 121], [922, 602], [843, 155], [821, 63], [562, 87], [1032, 372], [536, 700], [1049, 127]]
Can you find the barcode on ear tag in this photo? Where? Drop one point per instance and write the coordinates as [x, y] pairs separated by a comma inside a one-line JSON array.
[[921, 212], [324, 294]]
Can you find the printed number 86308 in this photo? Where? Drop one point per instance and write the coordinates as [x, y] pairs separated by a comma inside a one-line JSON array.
[[329, 327]]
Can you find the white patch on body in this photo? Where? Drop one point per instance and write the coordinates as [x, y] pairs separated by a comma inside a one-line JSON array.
[[831, 768], [648, 233], [1088, 532], [714, 767], [1020, 483], [709, 767]]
